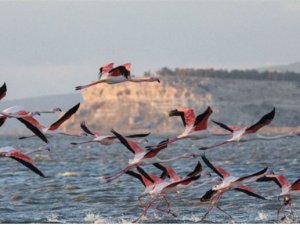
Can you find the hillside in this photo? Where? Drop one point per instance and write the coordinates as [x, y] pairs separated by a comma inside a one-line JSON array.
[[237, 97]]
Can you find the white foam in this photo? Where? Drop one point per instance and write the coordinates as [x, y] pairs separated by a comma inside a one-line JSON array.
[[95, 218], [262, 215], [53, 218]]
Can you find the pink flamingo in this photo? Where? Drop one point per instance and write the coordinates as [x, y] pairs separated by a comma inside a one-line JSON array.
[[140, 156], [238, 133], [52, 129], [229, 183], [22, 158], [119, 74], [157, 187], [105, 139], [195, 127], [288, 191]]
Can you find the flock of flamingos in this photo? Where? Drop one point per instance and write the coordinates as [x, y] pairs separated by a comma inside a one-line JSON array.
[[157, 187]]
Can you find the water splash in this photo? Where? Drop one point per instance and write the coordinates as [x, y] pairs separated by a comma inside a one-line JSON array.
[[54, 218], [95, 218]]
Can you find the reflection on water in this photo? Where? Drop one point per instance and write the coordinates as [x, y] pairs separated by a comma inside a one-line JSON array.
[[74, 193]]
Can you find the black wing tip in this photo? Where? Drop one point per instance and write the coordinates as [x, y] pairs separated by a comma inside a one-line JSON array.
[[78, 88], [174, 112]]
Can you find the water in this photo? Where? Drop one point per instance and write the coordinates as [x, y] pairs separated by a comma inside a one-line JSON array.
[[73, 191]]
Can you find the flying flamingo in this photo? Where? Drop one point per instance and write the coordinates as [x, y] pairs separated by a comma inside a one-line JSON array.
[[229, 183], [119, 74], [238, 133], [195, 127], [105, 139], [52, 129], [288, 191], [141, 156], [157, 187], [22, 158], [22, 115]]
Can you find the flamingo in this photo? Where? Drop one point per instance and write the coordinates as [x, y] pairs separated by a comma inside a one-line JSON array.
[[104, 139], [119, 74], [229, 183], [22, 158], [141, 156], [238, 133], [22, 115], [288, 191], [3, 90], [157, 187], [52, 129], [195, 127]]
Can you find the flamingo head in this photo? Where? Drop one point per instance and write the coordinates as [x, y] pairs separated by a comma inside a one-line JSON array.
[[44, 148], [189, 155], [36, 113], [154, 79], [57, 110]]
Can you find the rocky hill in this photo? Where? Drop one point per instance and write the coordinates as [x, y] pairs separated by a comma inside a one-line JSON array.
[[237, 97]]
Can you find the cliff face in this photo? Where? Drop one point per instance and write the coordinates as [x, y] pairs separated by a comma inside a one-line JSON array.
[[143, 107], [137, 107]]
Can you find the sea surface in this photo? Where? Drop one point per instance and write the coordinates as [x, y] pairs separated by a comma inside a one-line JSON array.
[[74, 190]]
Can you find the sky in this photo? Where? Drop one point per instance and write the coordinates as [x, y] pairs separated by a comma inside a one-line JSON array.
[[49, 47]]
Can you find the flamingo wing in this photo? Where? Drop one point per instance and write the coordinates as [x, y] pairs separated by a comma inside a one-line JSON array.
[[265, 120], [295, 186], [65, 117], [196, 171], [145, 176], [2, 120], [136, 175], [154, 152], [201, 120], [218, 170], [187, 115], [105, 69], [208, 195], [131, 145], [3, 91], [261, 172], [25, 160], [87, 130], [34, 129], [224, 126], [279, 179], [137, 135], [119, 71], [163, 143], [168, 170], [247, 190], [185, 181]]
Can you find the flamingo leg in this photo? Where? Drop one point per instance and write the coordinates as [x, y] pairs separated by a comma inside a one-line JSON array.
[[211, 206], [168, 206], [292, 211], [279, 210], [144, 213], [218, 207]]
